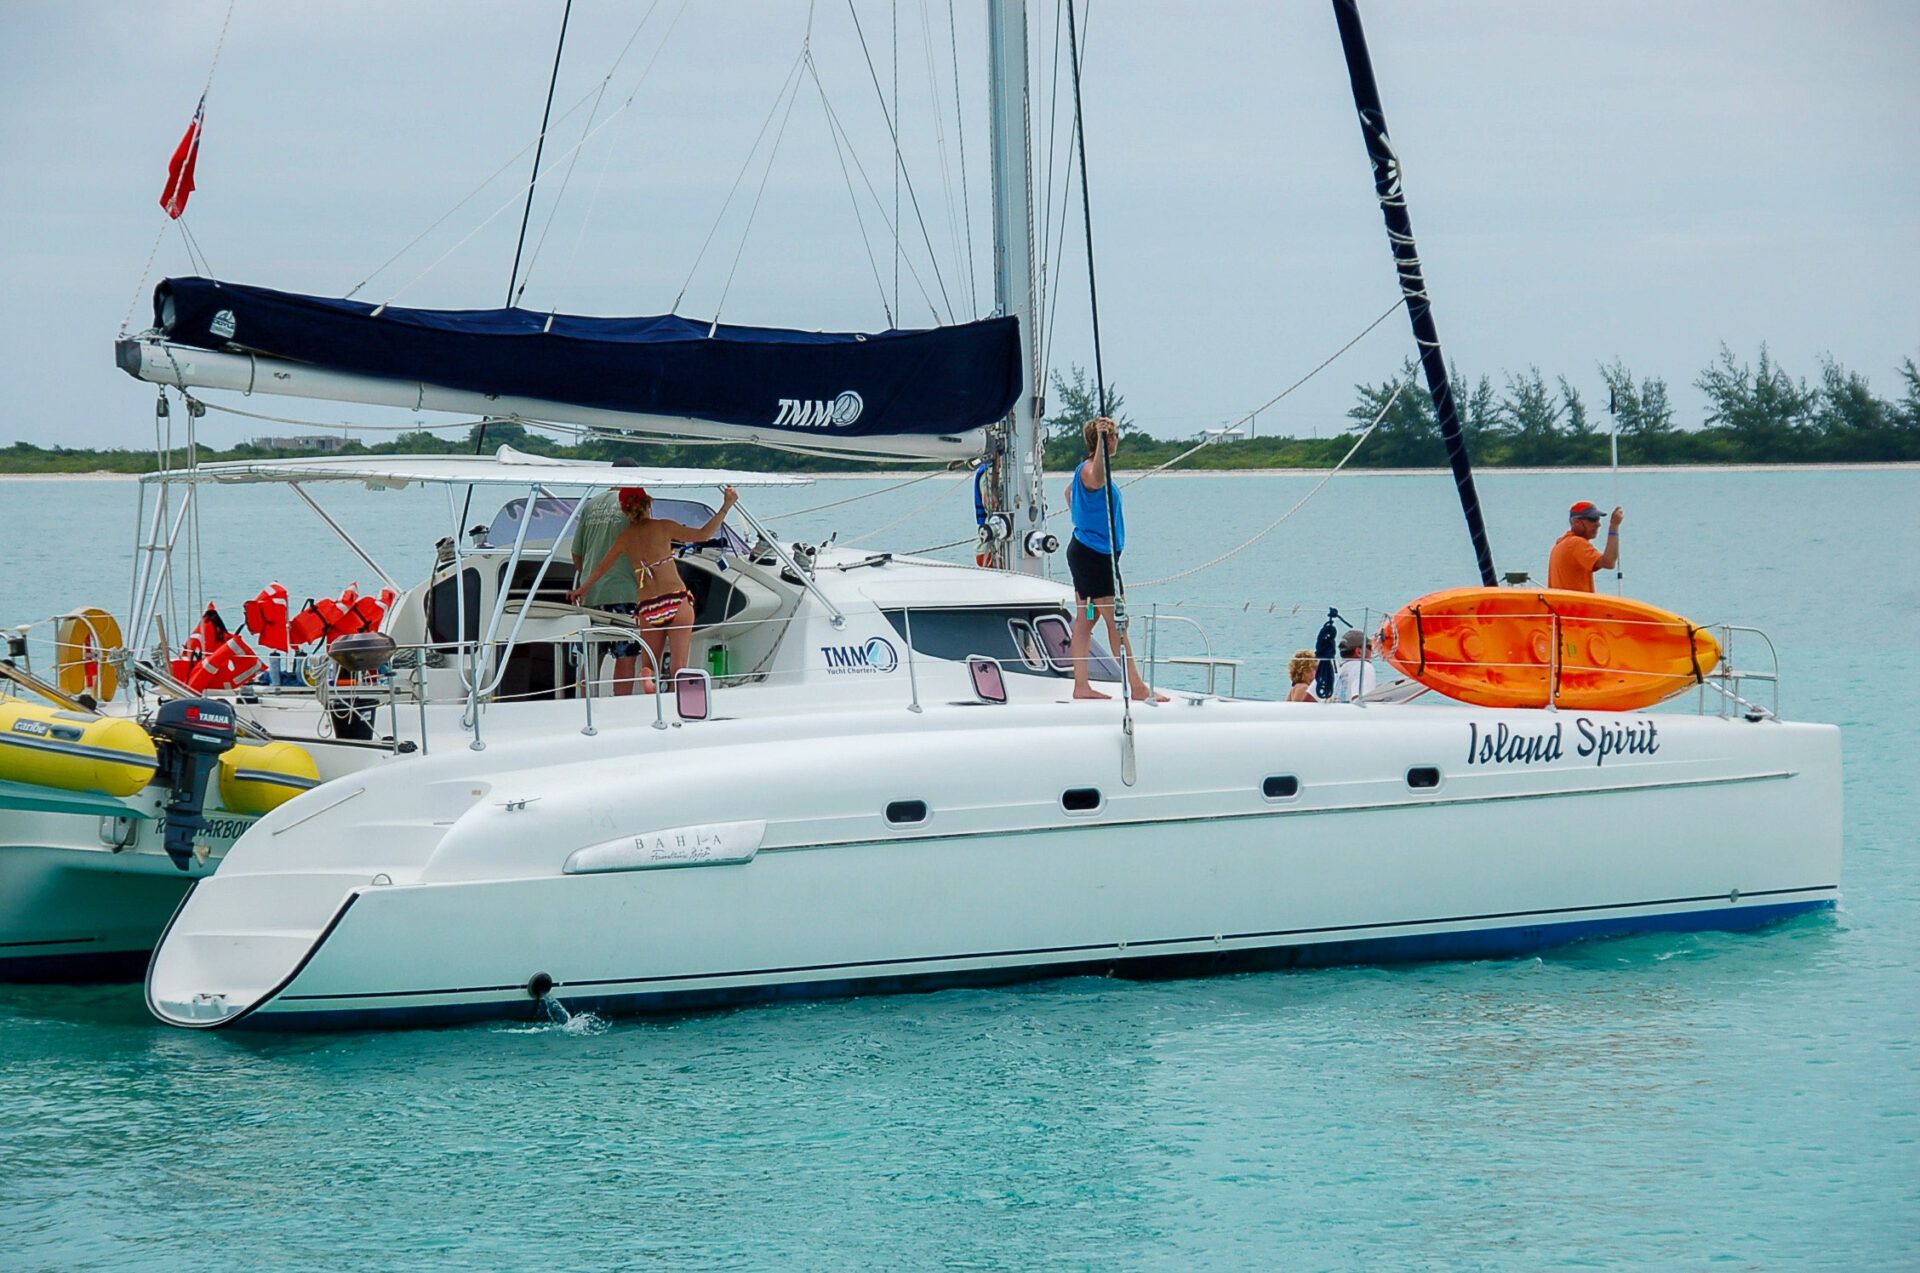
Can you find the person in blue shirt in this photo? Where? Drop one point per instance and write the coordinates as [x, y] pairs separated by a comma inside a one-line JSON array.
[[1091, 555]]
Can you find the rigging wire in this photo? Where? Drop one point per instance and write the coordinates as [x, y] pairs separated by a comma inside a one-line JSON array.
[[1301, 503], [546, 117], [937, 114], [773, 153], [913, 197], [881, 530], [513, 197], [853, 197], [1086, 211], [511, 160], [873, 192], [1111, 497], [568, 273], [745, 165], [195, 257], [960, 129], [1324, 364], [598, 94], [146, 271], [854, 499], [893, 36], [1052, 243]]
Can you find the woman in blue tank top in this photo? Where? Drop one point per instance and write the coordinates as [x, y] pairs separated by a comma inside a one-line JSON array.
[[1091, 554]]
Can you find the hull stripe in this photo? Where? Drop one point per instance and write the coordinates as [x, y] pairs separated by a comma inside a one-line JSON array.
[[1495, 943], [1103, 951]]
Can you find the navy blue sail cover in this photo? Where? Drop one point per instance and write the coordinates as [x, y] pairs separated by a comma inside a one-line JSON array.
[[836, 385]]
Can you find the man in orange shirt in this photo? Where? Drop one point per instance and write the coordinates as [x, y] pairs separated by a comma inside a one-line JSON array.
[[1574, 558]]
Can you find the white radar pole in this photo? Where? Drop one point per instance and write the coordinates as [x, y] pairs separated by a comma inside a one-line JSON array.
[[1018, 489]]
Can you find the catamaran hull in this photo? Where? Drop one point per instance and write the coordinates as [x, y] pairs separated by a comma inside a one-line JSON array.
[[1459, 871], [1512, 936], [70, 912]]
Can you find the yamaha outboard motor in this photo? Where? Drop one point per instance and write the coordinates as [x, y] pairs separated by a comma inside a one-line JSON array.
[[192, 733]]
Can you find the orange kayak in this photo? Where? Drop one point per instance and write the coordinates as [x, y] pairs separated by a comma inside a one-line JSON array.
[[1495, 647]]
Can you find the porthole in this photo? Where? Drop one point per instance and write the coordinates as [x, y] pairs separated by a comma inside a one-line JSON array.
[[1423, 777], [1080, 799], [905, 813], [1280, 787]]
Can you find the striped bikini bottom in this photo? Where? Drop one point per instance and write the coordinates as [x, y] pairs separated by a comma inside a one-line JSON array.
[[658, 612]]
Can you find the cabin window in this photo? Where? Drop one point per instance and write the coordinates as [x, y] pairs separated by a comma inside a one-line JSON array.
[[1056, 634], [448, 621], [906, 813], [553, 584], [1423, 777], [1080, 799], [1280, 787], [995, 632], [1032, 653], [550, 513], [716, 594]]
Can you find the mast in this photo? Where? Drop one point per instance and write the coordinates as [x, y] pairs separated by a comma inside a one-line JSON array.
[[1413, 285], [1017, 472]]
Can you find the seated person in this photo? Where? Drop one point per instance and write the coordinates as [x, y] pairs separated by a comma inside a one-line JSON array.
[[1353, 679], [1300, 670]]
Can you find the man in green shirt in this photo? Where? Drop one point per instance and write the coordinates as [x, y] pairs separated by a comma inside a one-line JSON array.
[[601, 521]]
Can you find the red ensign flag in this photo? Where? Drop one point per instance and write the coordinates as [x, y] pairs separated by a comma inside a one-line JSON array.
[[180, 167]]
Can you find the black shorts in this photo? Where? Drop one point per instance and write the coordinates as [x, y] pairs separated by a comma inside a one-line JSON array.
[[1091, 569], [622, 649]]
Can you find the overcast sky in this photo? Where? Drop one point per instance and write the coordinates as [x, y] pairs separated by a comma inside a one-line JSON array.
[[1641, 180]]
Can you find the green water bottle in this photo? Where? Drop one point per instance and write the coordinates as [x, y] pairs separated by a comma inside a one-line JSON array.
[[716, 660]]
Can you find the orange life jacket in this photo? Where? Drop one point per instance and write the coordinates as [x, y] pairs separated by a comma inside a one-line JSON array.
[[233, 663], [267, 617]]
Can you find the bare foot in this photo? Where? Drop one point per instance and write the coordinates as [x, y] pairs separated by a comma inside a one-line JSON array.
[[1142, 695], [1088, 693]]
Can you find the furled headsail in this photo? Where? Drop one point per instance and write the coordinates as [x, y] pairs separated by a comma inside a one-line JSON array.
[[925, 392]]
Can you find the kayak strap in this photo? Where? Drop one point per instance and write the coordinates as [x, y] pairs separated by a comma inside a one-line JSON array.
[[1693, 656], [1420, 639]]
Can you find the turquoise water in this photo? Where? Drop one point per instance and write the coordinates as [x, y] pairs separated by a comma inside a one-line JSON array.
[[1708, 1100]]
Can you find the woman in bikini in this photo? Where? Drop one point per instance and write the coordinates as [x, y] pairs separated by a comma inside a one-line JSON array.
[[664, 610]]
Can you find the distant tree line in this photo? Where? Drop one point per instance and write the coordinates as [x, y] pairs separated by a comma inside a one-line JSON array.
[[25, 457], [1756, 414]]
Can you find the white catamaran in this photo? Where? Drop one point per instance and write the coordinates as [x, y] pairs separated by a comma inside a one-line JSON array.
[[872, 775]]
